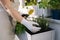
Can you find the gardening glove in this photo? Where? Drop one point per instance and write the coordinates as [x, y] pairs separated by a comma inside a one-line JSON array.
[[30, 26], [16, 37]]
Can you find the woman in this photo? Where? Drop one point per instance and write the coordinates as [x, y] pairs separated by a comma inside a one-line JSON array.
[[6, 32]]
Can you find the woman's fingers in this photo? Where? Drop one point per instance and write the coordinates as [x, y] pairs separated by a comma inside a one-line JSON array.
[[35, 29]]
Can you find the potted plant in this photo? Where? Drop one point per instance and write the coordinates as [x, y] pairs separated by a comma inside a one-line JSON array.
[[45, 33], [55, 9], [43, 7]]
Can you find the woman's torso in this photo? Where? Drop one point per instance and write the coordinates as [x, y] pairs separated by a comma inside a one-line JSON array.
[[6, 29]]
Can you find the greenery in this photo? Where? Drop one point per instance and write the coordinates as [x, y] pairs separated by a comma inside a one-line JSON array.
[[43, 3], [19, 28], [43, 23], [55, 4], [30, 2]]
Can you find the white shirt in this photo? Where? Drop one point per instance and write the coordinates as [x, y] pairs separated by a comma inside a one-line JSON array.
[[6, 29]]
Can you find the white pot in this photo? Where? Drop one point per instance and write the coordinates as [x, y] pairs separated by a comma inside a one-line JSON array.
[[23, 36], [49, 35], [42, 36]]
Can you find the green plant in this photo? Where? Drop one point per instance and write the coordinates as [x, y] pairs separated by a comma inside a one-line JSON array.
[[43, 3], [19, 28], [43, 23], [30, 2], [54, 4]]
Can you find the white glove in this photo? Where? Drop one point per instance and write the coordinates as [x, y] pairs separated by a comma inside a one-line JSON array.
[[30, 26], [16, 37]]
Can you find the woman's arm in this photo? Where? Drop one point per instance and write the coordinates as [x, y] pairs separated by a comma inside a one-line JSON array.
[[14, 12], [19, 18]]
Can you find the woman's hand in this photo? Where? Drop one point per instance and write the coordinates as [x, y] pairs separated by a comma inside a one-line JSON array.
[[30, 26]]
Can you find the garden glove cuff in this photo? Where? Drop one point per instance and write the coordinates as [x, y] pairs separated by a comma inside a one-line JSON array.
[[30, 26]]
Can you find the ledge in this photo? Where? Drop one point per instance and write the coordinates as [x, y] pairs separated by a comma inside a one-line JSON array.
[[53, 20]]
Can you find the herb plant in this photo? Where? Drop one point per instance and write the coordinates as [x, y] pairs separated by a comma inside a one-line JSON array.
[[30, 2], [19, 28], [55, 4], [43, 3], [43, 23]]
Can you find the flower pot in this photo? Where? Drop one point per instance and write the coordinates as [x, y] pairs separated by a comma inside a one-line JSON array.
[[47, 35], [55, 14], [23, 36]]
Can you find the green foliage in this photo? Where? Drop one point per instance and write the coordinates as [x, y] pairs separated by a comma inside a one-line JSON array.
[[43, 3], [55, 4], [19, 28], [43, 23], [30, 2]]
